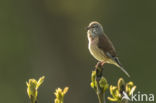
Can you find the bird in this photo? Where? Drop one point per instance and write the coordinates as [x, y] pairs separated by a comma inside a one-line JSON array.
[[101, 47]]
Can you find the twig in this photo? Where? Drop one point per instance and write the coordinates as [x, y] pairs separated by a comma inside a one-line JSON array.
[[99, 93]]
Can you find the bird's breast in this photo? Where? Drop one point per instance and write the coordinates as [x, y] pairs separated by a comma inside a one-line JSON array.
[[95, 51]]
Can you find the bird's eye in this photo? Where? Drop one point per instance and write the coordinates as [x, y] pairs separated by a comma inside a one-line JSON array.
[[95, 26]]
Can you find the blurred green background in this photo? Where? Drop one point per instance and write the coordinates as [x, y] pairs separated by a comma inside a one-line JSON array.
[[48, 37]]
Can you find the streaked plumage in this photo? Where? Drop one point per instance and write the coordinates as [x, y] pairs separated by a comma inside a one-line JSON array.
[[101, 47]]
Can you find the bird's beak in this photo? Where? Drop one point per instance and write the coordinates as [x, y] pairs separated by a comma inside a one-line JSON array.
[[87, 28]]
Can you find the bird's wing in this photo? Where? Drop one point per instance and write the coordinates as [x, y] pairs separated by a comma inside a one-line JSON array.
[[116, 59], [106, 45]]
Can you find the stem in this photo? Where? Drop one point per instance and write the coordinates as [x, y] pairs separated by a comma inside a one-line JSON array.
[[104, 98], [100, 97], [33, 100]]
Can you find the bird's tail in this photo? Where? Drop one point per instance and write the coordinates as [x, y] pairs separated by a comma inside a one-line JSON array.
[[117, 63], [121, 68]]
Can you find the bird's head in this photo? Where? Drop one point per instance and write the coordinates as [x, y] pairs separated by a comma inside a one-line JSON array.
[[95, 28]]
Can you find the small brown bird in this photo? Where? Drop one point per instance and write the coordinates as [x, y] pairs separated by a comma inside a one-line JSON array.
[[101, 47]]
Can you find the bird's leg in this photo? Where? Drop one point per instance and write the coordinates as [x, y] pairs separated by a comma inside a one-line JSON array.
[[98, 64], [102, 63]]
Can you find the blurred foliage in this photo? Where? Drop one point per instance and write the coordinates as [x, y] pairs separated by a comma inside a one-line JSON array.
[[102, 83], [32, 88], [59, 93], [99, 84], [118, 92]]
